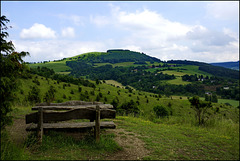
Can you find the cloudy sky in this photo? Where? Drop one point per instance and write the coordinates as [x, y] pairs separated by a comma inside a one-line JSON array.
[[199, 31]]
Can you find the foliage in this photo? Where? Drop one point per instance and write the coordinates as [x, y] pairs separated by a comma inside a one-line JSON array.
[[128, 107], [49, 73], [214, 70], [160, 111], [50, 95], [11, 67], [34, 95], [201, 108], [231, 65], [9, 150]]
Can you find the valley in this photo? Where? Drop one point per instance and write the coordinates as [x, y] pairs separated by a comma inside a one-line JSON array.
[[169, 136]]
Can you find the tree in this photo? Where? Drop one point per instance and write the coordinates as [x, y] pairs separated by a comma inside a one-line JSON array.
[[11, 66], [160, 111], [50, 95], [214, 98], [33, 95], [201, 108]]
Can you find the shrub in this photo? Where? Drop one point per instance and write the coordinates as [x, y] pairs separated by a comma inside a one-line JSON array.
[[129, 107], [33, 95], [160, 111]]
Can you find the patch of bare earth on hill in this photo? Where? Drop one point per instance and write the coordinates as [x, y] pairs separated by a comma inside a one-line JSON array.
[[133, 147], [17, 131]]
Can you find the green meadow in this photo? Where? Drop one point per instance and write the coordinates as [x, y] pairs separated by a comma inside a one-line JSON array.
[[58, 66], [174, 137]]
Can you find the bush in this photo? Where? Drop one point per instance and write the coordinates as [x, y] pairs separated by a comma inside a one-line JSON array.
[[129, 107], [161, 111], [33, 95]]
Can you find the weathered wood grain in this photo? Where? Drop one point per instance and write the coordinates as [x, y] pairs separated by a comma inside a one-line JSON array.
[[68, 126], [69, 103], [40, 123], [82, 113], [97, 124], [65, 107]]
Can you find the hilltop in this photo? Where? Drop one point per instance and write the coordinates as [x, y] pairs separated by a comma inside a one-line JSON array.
[[142, 72]]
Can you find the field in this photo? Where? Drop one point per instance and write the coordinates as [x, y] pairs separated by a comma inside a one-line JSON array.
[[56, 66], [173, 137], [134, 138]]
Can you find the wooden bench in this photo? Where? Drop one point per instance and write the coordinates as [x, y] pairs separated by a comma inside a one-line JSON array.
[[50, 117]]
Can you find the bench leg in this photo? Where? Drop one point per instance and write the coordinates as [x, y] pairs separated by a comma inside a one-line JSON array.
[[40, 124], [97, 124]]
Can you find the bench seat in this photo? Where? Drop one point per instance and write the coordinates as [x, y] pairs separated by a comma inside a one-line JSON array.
[[71, 126]]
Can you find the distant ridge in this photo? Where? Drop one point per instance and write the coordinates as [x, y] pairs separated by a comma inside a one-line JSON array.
[[230, 65], [114, 56]]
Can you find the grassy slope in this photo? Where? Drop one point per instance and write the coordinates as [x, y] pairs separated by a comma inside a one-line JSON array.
[[176, 141], [59, 66], [173, 138]]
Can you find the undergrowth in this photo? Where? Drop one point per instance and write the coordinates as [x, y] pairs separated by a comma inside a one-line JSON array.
[[58, 143], [11, 151]]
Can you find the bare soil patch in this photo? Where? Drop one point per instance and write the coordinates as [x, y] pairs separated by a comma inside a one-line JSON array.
[[17, 131], [133, 147]]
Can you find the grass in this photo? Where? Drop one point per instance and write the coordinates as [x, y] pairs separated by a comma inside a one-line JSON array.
[[179, 106], [234, 103], [179, 141], [11, 151], [59, 66], [115, 83], [176, 137], [59, 146], [178, 81]]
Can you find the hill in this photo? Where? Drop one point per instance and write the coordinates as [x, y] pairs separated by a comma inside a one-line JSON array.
[[114, 56], [230, 65], [214, 70], [172, 137], [142, 72]]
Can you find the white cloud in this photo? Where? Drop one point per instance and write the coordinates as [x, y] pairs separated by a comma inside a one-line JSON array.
[[68, 32], [38, 31], [224, 10], [157, 36], [210, 38], [100, 21], [75, 19], [56, 49], [144, 31]]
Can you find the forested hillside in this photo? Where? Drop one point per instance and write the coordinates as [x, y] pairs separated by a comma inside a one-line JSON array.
[[114, 56], [214, 70], [231, 65]]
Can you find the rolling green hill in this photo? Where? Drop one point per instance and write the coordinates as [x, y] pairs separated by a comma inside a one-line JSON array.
[[231, 65], [174, 137], [150, 74]]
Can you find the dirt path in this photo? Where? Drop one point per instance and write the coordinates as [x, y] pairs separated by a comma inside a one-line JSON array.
[[133, 148], [17, 131]]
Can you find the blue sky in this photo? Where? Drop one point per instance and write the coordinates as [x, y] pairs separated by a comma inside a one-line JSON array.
[[198, 31]]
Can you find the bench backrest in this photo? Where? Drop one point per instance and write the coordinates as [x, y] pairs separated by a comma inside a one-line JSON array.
[[68, 107], [69, 103], [80, 113]]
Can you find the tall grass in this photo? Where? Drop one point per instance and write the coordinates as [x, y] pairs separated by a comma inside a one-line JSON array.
[[11, 151], [59, 145]]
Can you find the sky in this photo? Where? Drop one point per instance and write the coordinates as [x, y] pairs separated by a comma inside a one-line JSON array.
[[168, 30]]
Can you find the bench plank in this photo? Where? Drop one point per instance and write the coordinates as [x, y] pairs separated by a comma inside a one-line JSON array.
[[68, 126], [65, 107], [69, 103], [82, 113]]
